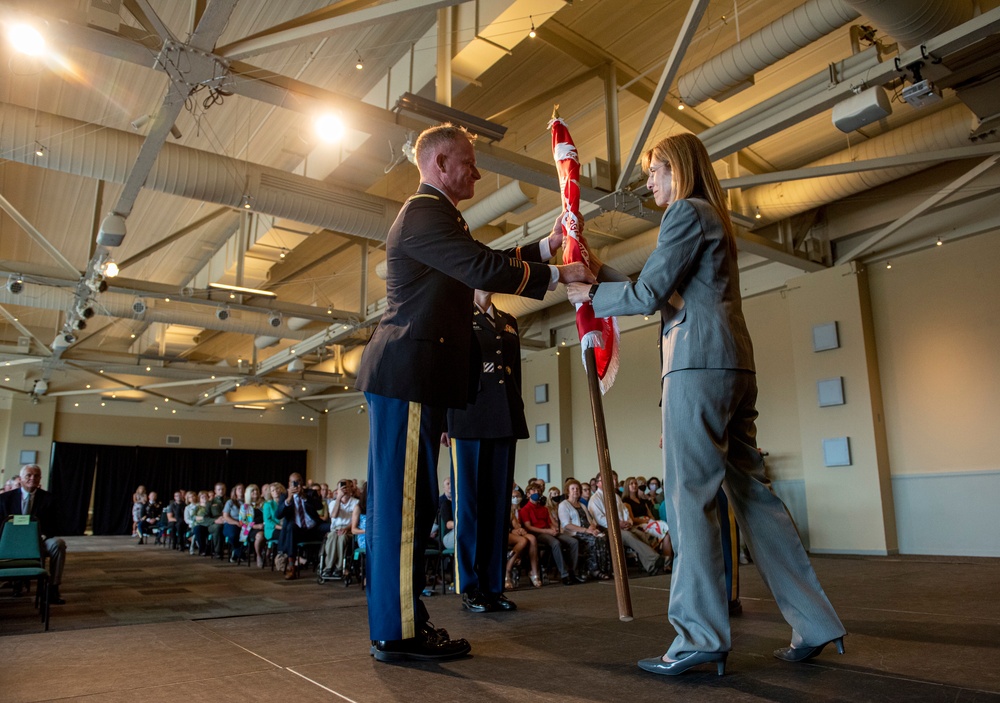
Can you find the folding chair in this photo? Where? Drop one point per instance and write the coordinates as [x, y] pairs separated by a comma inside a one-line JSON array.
[[21, 560]]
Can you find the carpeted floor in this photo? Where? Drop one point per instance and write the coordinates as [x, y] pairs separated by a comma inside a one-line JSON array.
[[144, 623]]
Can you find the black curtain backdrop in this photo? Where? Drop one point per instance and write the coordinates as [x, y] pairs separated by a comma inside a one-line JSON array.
[[162, 469], [70, 482]]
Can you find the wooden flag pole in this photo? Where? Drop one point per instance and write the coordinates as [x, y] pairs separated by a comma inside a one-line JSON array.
[[610, 488]]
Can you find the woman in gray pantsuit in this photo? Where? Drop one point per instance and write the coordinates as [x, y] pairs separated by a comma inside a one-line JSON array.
[[709, 390]]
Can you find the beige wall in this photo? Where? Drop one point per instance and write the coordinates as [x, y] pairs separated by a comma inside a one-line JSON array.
[[346, 445], [937, 325]]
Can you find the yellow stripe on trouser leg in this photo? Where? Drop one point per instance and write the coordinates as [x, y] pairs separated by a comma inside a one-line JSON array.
[[407, 616], [454, 514]]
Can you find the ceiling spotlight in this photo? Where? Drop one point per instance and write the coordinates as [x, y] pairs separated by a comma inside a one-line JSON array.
[[888, 264], [283, 253], [359, 64], [274, 319], [85, 311], [78, 324], [246, 202], [532, 33], [26, 39], [756, 213], [140, 122], [138, 306], [110, 268], [329, 127], [96, 284], [222, 312], [680, 107], [939, 242], [361, 409], [15, 284], [40, 149]]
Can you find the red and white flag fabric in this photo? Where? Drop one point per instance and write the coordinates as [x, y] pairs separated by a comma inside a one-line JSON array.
[[599, 333]]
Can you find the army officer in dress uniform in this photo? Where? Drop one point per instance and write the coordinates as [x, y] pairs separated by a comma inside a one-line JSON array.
[[420, 361], [482, 439]]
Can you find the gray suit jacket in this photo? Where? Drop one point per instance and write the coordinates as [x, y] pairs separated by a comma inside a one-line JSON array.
[[692, 278]]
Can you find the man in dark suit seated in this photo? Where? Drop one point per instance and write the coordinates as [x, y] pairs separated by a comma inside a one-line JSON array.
[[300, 510], [31, 500]]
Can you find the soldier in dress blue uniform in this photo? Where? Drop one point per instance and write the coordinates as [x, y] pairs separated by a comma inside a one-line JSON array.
[[482, 441], [419, 362]]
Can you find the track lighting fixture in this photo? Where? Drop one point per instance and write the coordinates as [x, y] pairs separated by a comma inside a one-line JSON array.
[[532, 32], [888, 264], [756, 213], [246, 202], [40, 149], [359, 64], [939, 242]]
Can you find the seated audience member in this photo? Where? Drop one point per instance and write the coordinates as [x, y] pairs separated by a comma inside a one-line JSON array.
[[555, 497], [30, 499], [138, 513], [584, 493], [151, 518], [535, 519], [518, 540], [231, 522], [577, 522], [632, 537], [252, 524], [654, 491], [174, 515], [641, 510], [190, 505], [446, 512], [271, 494], [216, 503], [359, 518], [341, 510], [201, 521], [301, 523]]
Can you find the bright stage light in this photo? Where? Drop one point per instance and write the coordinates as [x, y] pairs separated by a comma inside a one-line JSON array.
[[329, 128], [26, 39]]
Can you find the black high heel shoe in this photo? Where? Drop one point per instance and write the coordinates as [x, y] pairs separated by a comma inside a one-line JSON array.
[[801, 654], [656, 665]]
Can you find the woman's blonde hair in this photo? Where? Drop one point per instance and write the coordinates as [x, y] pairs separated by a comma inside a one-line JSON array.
[[692, 174], [246, 492]]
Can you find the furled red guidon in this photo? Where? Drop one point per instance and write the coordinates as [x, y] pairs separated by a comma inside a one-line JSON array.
[[599, 333]]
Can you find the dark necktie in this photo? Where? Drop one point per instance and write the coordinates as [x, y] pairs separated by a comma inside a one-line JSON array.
[[300, 512]]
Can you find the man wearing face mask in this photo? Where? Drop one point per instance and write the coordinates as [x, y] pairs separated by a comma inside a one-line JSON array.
[[536, 519]]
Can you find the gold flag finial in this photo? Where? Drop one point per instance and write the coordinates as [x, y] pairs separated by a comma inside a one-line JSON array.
[[555, 112]]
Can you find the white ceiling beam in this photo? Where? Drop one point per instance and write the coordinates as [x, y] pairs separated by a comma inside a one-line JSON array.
[[23, 330], [265, 42], [38, 237], [798, 174], [923, 207], [691, 21]]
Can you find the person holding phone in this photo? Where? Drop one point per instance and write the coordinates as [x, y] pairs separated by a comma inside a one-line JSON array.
[[301, 520]]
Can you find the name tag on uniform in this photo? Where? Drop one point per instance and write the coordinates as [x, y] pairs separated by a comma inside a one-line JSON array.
[[488, 367]]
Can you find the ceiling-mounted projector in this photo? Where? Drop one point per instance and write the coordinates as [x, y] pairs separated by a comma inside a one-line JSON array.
[[921, 94]]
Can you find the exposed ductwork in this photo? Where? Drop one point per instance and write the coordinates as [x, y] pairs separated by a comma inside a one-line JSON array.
[[911, 22], [943, 130], [736, 66], [99, 152], [121, 305]]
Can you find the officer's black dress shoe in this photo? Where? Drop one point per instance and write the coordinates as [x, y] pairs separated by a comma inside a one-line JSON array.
[[735, 608], [656, 665], [54, 597], [428, 645], [476, 602], [501, 602]]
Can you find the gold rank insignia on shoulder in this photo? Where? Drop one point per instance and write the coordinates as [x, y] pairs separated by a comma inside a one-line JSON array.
[[509, 329]]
